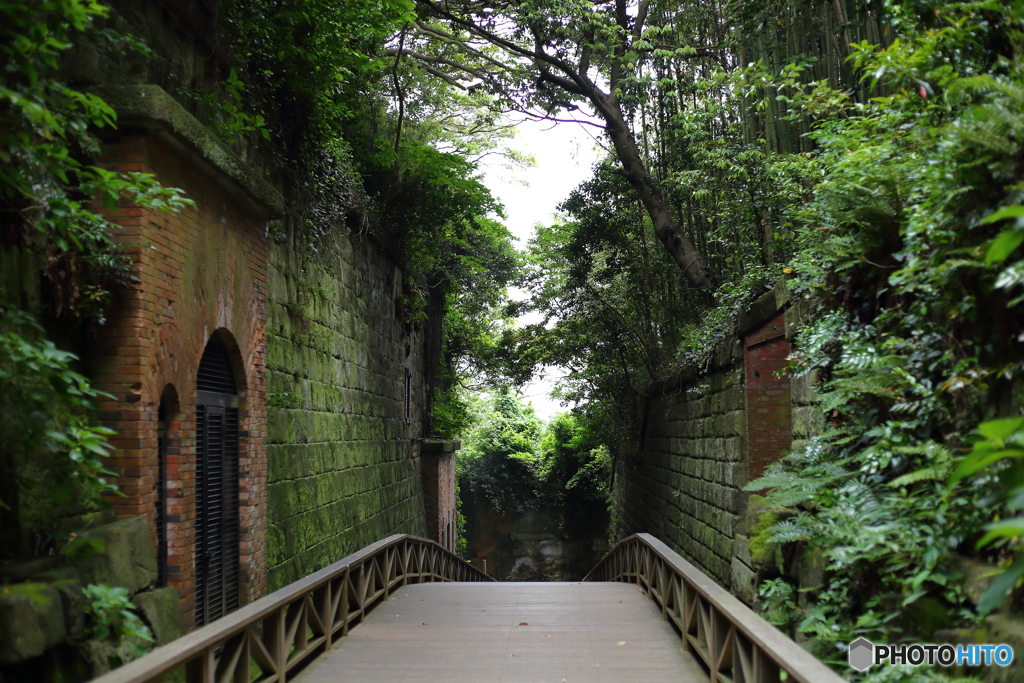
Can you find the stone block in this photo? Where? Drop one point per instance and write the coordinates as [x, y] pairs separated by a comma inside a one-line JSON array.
[[31, 621], [807, 421], [1008, 629], [742, 581], [802, 388], [977, 576], [67, 582], [162, 611], [809, 570], [725, 351], [118, 554]]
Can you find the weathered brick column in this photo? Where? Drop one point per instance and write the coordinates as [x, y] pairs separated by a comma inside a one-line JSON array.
[[438, 458], [202, 272], [769, 408]]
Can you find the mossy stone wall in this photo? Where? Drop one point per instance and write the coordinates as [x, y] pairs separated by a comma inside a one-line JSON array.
[[343, 451], [707, 432], [684, 487]]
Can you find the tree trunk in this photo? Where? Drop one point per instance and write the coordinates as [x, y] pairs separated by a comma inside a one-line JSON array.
[[694, 268]]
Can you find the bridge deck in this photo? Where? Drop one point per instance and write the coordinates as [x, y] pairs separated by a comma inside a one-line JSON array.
[[510, 632]]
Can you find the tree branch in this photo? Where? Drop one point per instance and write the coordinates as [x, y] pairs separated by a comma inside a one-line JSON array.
[[507, 45], [431, 59], [549, 117], [641, 18]]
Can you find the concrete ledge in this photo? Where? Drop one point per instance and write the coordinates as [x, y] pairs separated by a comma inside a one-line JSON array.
[[150, 107], [439, 446]]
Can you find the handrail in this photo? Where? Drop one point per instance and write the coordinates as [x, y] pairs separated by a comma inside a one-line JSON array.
[[734, 643], [287, 628]]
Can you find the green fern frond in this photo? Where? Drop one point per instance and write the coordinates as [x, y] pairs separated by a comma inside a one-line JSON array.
[[936, 473]]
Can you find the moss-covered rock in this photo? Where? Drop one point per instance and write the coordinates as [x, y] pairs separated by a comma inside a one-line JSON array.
[[1009, 629], [162, 611], [764, 554], [31, 620], [118, 554]]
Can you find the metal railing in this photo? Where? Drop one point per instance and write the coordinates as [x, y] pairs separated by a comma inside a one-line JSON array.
[[734, 643], [288, 628]]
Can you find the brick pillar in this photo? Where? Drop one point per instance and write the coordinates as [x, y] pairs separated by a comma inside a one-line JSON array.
[[769, 419], [203, 271], [438, 458]]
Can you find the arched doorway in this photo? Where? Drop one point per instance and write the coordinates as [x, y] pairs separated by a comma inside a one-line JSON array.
[[217, 475]]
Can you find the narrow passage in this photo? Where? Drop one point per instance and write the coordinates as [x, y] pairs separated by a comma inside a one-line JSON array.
[[510, 633]]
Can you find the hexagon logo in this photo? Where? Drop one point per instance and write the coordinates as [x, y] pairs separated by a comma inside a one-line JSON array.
[[861, 654]]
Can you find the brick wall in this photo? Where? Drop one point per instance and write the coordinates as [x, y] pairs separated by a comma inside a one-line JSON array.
[[769, 407], [202, 272], [344, 458]]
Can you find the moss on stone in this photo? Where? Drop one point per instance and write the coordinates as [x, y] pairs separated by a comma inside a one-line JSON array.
[[151, 107], [40, 594], [761, 520]]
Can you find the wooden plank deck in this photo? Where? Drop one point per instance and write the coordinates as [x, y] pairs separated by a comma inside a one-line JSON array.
[[472, 633]]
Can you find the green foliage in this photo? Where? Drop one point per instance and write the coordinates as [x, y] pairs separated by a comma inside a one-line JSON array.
[[905, 245], [111, 618], [373, 142], [282, 399], [610, 316], [499, 458], [451, 414], [997, 441], [42, 422], [230, 119], [47, 181], [778, 603], [574, 467], [310, 56]]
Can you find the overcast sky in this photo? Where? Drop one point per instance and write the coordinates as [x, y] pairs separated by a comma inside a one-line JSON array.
[[565, 154]]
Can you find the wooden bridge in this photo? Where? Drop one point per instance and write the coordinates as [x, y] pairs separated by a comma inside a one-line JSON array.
[[412, 611]]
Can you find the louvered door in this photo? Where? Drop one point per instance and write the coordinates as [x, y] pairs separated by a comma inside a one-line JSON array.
[[216, 489]]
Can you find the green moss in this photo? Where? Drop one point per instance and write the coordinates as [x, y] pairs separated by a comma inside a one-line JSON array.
[[762, 550], [39, 593], [85, 546]]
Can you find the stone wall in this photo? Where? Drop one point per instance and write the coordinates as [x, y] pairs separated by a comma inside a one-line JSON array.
[[42, 604], [335, 463], [707, 432], [684, 488], [342, 363]]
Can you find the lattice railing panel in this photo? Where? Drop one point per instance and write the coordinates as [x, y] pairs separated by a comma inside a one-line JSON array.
[[273, 637], [734, 643]]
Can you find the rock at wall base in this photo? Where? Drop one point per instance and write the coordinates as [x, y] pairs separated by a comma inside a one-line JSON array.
[[31, 620], [1003, 628], [118, 554], [744, 582], [62, 664], [162, 611], [106, 656]]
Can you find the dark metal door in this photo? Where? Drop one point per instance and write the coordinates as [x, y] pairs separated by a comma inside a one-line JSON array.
[[217, 477]]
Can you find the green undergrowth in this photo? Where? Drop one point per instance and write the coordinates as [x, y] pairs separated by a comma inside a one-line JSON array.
[[907, 249]]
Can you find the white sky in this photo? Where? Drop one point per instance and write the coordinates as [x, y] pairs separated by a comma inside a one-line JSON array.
[[565, 154]]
